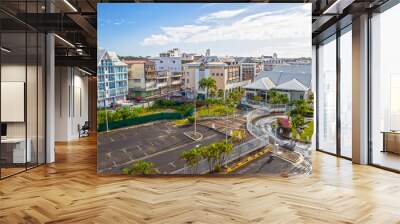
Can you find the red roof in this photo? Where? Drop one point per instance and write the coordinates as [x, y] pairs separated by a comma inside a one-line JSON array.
[[284, 122]]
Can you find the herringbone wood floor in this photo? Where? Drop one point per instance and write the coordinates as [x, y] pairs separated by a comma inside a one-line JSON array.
[[70, 191]]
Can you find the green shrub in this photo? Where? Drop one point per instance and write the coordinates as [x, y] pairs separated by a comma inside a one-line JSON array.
[[191, 119], [140, 168]]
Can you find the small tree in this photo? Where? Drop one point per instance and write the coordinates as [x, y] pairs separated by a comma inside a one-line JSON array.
[[275, 97], [213, 93], [220, 93], [207, 84], [257, 98], [238, 136], [224, 149], [297, 121], [210, 153], [140, 168], [192, 158]]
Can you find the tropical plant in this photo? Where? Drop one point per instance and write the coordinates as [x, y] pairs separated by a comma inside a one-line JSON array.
[[224, 149], [213, 93], [275, 97], [297, 121], [140, 168], [220, 93], [257, 98], [192, 158], [235, 96], [310, 98], [301, 107], [207, 84], [191, 119], [209, 153], [238, 136]]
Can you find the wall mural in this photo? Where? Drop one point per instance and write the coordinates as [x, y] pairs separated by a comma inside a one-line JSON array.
[[204, 89]]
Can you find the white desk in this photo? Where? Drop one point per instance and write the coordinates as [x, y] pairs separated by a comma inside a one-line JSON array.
[[19, 153]]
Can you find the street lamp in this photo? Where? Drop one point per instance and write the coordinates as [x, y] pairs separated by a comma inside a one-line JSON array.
[[106, 115], [195, 117]]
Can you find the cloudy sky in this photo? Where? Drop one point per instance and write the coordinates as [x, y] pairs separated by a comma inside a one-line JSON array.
[[253, 29]]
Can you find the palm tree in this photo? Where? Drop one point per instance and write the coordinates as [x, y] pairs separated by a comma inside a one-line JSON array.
[[224, 149], [140, 168], [192, 158], [220, 93], [210, 153], [207, 84], [213, 93]]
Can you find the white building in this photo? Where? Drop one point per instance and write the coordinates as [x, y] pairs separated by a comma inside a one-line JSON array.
[[168, 63], [294, 89], [112, 79]]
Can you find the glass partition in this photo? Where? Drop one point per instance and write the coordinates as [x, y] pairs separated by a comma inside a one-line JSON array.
[[327, 96], [385, 89], [22, 77], [346, 93], [13, 117]]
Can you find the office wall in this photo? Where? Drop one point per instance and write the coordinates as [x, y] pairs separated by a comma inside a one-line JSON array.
[[71, 102], [16, 73]]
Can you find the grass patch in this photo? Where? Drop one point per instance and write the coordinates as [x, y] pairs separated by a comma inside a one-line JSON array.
[[215, 111], [306, 134]]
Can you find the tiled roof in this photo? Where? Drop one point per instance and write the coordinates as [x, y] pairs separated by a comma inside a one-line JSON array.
[[284, 73], [293, 85], [261, 84]]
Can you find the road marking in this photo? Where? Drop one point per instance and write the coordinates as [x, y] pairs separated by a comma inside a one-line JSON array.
[[165, 151]]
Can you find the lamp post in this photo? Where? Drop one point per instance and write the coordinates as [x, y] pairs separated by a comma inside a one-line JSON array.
[[226, 119], [106, 115], [195, 117]]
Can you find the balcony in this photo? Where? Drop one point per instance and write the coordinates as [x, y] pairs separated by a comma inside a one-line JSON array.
[[176, 82], [176, 74], [151, 85], [162, 84]]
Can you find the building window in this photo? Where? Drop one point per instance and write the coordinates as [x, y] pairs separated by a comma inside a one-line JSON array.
[[385, 89], [346, 94], [327, 96]]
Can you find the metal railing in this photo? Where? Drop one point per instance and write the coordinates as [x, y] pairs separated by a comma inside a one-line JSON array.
[[266, 106], [260, 140], [238, 151]]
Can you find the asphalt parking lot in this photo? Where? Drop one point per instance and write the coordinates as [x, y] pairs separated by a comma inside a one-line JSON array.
[[267, 165], [160, 143]]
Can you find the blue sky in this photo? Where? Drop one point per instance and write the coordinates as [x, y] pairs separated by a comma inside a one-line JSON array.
[[146, 29]]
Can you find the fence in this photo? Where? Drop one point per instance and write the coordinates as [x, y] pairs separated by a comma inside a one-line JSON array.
[[266, 106], [261, 140], [140, 120], [237, 152]]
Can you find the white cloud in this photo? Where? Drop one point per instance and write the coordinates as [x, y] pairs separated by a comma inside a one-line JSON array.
[[225, 14], [291, 27], [173, 34]]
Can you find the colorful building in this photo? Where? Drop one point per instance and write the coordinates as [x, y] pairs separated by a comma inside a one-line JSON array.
[[112, 79]]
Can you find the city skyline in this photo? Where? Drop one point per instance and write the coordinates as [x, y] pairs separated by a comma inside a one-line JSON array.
[[241, 30]]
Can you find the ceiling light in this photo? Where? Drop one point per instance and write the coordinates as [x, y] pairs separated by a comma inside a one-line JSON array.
[[65, 41], [70, 5], [5, 50]]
